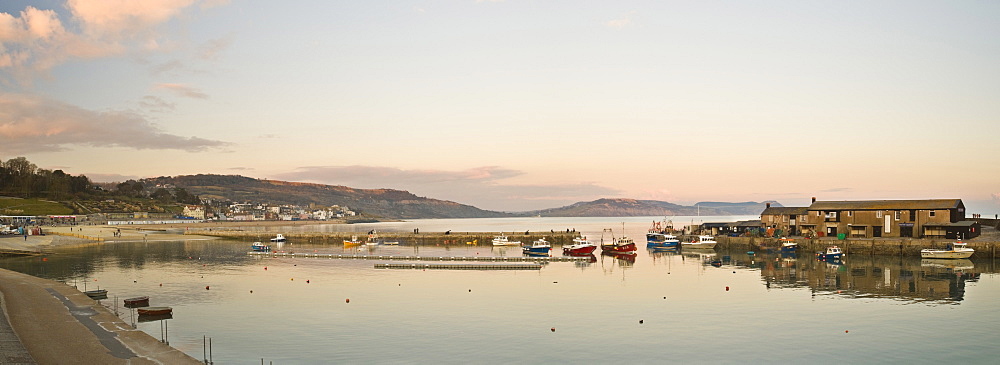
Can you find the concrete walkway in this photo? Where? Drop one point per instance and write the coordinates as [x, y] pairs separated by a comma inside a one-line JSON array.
[[58, 324]]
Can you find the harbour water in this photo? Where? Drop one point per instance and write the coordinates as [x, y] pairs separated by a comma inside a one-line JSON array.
[[684, 307]]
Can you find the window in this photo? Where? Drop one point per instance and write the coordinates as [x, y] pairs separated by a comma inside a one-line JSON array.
[[784, 218], [898, 214], [850, 213], [831, 214], [878, 214], [932, 213]]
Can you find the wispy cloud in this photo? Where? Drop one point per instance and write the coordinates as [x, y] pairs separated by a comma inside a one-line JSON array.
[[31, 123], [622, 22], [183, 90], [156, 104], [34, 40], [483, 186]]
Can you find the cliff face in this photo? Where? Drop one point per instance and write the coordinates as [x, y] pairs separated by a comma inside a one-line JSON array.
[[386, 203], [632, 207]]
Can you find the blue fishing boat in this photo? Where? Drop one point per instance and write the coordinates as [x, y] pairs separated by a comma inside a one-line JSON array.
[[661, 240], [539, 246], [832, 253], [260, 247]]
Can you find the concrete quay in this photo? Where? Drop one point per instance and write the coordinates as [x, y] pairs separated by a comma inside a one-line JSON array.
[[47, 322], [422, 238], [985, 248]]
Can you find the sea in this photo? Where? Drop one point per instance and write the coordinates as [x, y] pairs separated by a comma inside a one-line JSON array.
[[689, 306]]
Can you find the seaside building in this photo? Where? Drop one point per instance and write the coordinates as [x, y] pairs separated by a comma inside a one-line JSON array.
[[935, 218]]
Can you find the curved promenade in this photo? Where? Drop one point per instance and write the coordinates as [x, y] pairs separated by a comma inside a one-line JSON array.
[[57, 324]]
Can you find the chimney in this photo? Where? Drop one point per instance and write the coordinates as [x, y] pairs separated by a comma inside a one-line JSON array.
[[814, 199], [768, 205]]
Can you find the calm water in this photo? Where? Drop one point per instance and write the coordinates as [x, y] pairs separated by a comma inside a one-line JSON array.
[[776, 309]]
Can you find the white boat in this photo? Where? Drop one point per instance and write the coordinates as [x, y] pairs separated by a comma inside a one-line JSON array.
[[372, 239], [700, 242], [502, 240], [539, 246], [832, 253], [278, 238], [956, 250]]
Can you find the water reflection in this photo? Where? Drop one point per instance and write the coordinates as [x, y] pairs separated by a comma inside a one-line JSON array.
[[908, 278]]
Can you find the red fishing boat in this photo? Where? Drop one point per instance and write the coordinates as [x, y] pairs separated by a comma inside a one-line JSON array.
[[622, 244], [580, 246]]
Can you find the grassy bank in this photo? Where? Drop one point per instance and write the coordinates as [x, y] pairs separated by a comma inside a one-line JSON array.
[[32, 206]]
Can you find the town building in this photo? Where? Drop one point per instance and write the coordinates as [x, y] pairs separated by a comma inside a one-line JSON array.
[[932, 218]]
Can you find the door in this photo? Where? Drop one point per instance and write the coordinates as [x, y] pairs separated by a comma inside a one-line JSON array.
[[877, 231], [831, 231], [906, 231]]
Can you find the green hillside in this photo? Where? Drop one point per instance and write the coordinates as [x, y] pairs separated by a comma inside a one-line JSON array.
[[32, 206]]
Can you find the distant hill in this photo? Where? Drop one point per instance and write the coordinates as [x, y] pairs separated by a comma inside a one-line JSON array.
[[633, 208], [386, 203]]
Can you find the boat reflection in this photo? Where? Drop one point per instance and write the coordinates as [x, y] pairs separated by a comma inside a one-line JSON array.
[[623, 258], [909, 278]]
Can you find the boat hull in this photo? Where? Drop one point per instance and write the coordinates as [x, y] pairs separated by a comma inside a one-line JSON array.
[[946, 254], [154, 311], [137, 302], [583, 250], [629, 248]]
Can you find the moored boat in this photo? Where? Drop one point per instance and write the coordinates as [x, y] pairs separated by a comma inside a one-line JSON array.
[[260, 247], [832, 253], [702, 241], [539, 246], [661, 240], [97, 293], [788, 245], [352, 242], [372, 239], [154, 311], [278, 238], [580, 246], [955, 250], [137, 302], [622, 244], [503, 240]]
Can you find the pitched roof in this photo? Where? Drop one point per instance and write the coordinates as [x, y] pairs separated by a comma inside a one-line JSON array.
[[785, 211], [886, 204]]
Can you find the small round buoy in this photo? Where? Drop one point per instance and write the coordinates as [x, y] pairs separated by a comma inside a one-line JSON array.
[[265, 267], [296, 265], [664, 297], [640, 321], [845, 331], [348, 300], [470, 290], [206, 287], [292, 279], [734, 272], [727, 288], [307, 281], [251, 292], [45, 259], [555, 282], [161, 284], [553, 329]]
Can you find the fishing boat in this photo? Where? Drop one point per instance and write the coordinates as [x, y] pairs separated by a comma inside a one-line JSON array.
[[955, 250], [658, 230], [622, 244], [97, 293], [260, 247], [154, 311], [137, 302], [702, 241], [352, 242], [661, 240], [580, 246], [539, 246], [788, 245], [502, 240], [278, 238], [372, 239], [832, 253]]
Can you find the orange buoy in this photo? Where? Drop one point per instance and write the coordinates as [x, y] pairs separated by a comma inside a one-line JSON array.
[[206, 287], [45, 259], [348, 300], [845, 331], [553, 329], [727, 288]]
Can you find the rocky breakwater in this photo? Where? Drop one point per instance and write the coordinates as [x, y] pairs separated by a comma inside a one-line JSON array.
[[422, 238]]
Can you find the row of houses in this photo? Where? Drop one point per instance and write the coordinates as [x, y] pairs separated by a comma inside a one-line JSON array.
[[930, 218]]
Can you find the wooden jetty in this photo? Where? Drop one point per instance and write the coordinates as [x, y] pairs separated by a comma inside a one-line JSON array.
[[454, 266], [424, 258]]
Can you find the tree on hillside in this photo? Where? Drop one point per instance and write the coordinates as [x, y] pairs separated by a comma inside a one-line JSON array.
[[130, 188]]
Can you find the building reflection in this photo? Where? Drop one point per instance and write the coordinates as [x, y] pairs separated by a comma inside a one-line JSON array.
[[864, 276]]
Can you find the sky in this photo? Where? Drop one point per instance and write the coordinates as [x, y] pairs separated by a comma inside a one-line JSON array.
[[516, 105]]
